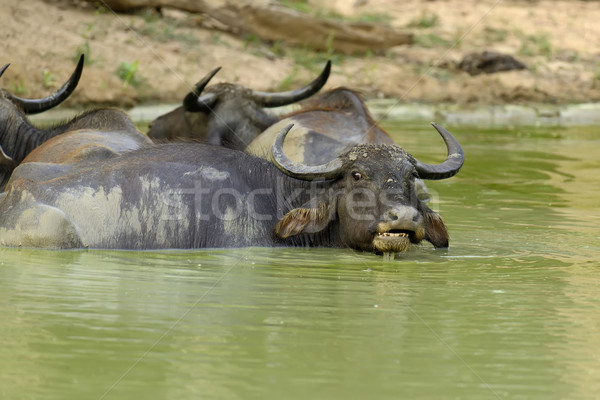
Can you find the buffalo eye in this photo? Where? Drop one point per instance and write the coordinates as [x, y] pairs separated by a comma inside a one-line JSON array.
[[356, 175]]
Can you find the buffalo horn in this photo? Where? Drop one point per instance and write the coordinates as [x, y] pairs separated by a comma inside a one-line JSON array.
[[298, 170], [34, 106], [5, 160], [193, 102], [452, 164], [292, 96], [3, 69]]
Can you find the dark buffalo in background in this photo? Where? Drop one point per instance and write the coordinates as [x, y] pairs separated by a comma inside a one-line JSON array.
[[191, 195], [227, 114]]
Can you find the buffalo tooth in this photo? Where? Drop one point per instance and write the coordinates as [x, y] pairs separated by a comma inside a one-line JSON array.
[[388, 234]]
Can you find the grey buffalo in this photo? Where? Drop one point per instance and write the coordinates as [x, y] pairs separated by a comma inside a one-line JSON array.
[[227, 114], [191, 195]]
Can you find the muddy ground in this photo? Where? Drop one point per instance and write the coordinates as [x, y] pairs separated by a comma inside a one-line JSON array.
[[145, 57]]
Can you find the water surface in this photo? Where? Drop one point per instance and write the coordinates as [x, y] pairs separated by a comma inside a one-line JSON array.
[[510, 311]]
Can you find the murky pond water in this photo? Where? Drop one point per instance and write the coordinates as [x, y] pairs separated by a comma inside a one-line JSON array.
[[510, 311]]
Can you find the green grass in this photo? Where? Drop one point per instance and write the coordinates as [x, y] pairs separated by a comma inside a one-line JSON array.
[[18, 87], [128, 73], [441, 74], [164, 29], [288, 81], [305, 8], [166, 33], [373, 18], [300, 6], [217, 39], [251, 40], [427, 19], [86, 49], [495, 35], [431, 40], [48, 79], [313, 60], [308, 58], [538, 44], [596, 76], [100, 9], [278, 48]]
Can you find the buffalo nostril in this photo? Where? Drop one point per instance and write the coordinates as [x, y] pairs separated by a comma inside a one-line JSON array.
[[391, 215], [403, 216]]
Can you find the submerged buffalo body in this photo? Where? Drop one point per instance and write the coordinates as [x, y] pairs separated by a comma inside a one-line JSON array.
[[227, 114], [197, 196]]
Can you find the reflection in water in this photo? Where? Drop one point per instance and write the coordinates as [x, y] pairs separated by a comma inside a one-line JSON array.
[[509, 311]]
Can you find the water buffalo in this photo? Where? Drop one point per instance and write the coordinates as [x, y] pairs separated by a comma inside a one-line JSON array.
[[107, 133], [17, 135], [191, 195], [90, 136], [227, 114]]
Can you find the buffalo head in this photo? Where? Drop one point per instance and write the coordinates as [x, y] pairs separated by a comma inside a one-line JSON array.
[[372, 199], [227, 114]]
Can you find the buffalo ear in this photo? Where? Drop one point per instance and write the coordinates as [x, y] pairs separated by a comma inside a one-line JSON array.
[[306, 219], [435, 230]]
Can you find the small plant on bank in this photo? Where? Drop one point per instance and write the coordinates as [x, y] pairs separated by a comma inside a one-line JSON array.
[[373, 18], [286, 83], [85, 48], [278, 48], [431, 40], [495, 35], [251, 40], [538, 44], [217, 39], [18, 87], [325, 13], [596, 77], [164, 29], [427, 19], [300, 6], [128, 72], [48, 79], [100, 9]]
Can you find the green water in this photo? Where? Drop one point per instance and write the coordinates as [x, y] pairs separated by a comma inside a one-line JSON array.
[[510, 311]]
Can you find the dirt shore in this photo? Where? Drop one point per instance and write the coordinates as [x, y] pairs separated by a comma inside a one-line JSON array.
[[144, 58]]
